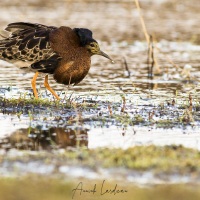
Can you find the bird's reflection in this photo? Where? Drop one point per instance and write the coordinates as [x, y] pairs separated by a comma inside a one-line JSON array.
[[37, 139]]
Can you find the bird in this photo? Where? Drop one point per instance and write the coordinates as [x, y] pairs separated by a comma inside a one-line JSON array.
[[61, 51]]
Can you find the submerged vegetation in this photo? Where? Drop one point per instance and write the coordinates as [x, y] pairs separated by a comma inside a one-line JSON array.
[[160, 160], [126, 111]]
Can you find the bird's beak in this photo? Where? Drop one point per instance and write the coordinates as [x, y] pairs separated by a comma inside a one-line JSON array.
[[101, 53]]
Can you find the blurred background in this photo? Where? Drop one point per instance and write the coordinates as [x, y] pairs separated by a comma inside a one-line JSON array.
[[110, 20]]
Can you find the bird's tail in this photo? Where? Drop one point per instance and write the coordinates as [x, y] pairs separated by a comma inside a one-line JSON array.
[[3, 41]]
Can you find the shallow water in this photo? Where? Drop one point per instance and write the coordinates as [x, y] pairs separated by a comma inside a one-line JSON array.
[[150, 116]]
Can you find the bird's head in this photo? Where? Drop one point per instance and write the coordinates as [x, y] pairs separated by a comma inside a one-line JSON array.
[[94, 49], [89, 43]]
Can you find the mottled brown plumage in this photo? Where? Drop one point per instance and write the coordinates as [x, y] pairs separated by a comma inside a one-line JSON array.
[[64, 52]]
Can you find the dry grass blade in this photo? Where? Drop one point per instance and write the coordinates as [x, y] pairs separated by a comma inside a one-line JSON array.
[[126, 67], [150, 43], [142, 22]]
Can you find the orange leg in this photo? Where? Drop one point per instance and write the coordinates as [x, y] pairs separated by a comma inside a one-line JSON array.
[[46, 84], [33, 83]]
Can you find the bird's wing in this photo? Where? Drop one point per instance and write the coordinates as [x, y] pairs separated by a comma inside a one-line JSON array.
[[29, 42], [16, 27], [46, 66]]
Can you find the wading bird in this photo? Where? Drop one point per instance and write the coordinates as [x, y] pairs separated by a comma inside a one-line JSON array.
[[64, 52]]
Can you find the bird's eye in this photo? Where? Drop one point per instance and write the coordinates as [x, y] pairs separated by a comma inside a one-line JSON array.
[[92, 45]]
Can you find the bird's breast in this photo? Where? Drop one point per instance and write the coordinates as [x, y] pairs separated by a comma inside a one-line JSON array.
[[73, 71]]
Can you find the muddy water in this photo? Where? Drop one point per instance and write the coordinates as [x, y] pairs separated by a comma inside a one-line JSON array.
[[156, 110]]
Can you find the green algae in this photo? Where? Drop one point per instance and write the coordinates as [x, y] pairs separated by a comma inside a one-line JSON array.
[[158, 159], [165, 159]]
